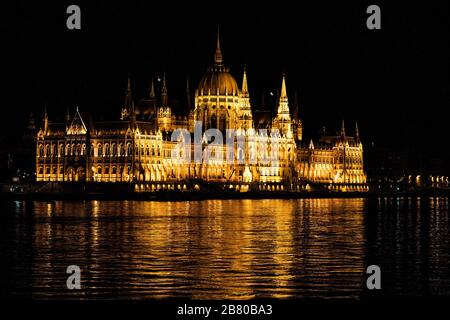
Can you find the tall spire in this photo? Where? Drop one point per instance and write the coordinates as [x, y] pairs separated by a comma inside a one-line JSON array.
[[67, 114], [244, 85], [283, 95], [45, 119], [128, 103], [245, 111], [218, 55], [283, 107], [164, 98], [152, 90], [343, 128], [356, 131], [283, 119]]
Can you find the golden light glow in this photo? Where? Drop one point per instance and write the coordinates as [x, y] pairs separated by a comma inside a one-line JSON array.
[[141, 152]]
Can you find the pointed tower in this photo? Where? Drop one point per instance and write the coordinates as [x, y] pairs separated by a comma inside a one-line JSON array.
[[67, 118], [218, 60], [164, 96], [356, 132], [245, 93], [343, 130], [152, 94], [217, 86], [283, 119], [245, 111], [45, 120], [297, 123], [128, 105]]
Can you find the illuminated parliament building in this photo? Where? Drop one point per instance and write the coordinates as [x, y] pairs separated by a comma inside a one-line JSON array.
[[138, 147]]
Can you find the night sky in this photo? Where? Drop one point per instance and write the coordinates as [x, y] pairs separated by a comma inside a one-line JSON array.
[[395, 81]]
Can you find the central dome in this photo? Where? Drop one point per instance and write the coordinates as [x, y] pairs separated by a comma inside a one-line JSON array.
[[218, 80]]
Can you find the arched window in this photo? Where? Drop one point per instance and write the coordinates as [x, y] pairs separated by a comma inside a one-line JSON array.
[[107, 149], [47, 150], [92, 151], [61, 148], [129, 151], [53, 150], [78, 150], [99, 170], [213, 123], [222, 123], [41, 150], [137, 149], [83, 149], [114, 149], [120, 151], [99, 150], [240, 154], [159, 151], [147, 150]]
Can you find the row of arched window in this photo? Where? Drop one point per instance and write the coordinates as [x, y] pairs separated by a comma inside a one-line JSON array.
[[112, 149], [69, 150], [99, 150]]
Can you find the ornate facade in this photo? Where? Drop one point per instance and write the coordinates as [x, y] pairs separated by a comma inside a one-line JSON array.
[[140, 148]]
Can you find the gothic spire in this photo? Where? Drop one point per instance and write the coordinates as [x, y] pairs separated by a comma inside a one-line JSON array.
[[283, 106], [283, 95], [128, 103], [67, 114], [356, 131], [218, 55], [164, 97], [343, 128], [152, 90], [128, 84], [244, 85], [45, 119]]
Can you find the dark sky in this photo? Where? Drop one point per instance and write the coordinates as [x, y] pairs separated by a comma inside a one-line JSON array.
[[394, 81]]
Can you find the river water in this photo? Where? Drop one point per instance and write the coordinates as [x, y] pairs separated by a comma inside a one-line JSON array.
[[225, 249]]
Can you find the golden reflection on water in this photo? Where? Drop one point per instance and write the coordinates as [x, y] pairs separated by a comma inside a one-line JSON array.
[[215, 249]]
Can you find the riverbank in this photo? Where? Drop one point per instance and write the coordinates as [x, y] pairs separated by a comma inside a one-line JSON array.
[[198, 195]]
